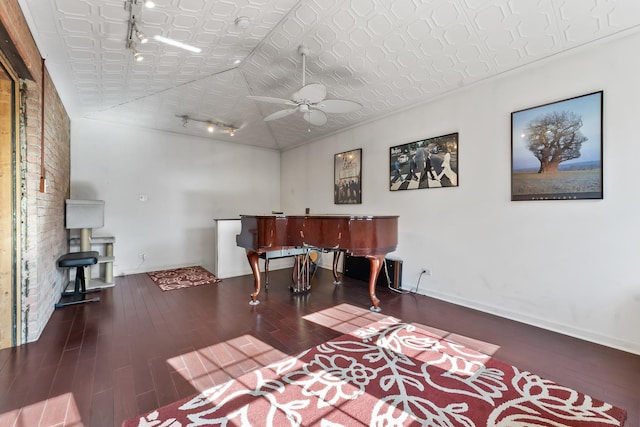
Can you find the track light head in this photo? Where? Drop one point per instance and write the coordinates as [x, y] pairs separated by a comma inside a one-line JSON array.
[[132, 47], [140, 35]]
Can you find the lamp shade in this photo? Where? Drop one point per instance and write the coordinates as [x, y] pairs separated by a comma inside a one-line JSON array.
[[84, 213]]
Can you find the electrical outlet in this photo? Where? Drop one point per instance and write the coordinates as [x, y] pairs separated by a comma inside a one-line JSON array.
[[426, 271], [142, 256]]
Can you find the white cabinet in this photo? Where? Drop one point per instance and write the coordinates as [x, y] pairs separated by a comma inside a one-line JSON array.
[[230, 260], [101, 273]]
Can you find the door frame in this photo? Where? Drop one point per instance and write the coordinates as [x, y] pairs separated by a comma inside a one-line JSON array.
[[11, 263]]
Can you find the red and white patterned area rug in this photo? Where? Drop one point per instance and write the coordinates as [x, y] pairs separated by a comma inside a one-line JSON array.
[[180, 278], [387, 374]]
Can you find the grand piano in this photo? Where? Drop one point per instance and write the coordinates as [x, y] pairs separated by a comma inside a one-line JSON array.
[[372, 237]]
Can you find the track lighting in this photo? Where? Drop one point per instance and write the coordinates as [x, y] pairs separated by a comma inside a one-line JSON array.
[[137, 55], [134, 7], [140, 35], [132, 47], [211, 126]]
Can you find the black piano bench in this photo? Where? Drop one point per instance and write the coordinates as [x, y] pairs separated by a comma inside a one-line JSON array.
[[79, 260]]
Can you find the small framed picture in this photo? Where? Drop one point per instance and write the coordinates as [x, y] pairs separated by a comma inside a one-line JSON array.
[[347, 189], [556, 150], [427, 163]]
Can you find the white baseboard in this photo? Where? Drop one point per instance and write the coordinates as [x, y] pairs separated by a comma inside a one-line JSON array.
[[560, 328]]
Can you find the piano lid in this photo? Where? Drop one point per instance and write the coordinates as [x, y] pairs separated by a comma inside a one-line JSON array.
[[357, 234], [320, 216]]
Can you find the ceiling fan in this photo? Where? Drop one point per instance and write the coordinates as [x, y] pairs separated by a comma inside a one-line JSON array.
[[309, 100]]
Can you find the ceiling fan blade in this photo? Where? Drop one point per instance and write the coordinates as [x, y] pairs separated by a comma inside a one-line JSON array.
[[272, 100], [316, 117], [280, 114], [311, 93], [337, 106]]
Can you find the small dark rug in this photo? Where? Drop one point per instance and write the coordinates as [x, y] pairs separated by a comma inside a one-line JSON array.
[[180, 278]]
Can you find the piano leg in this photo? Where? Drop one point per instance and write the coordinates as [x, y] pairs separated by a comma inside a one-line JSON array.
[[376, 264], [336, 259], [254, 261]]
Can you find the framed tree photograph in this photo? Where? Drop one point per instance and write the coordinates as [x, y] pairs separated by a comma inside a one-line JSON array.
[[427, 163], [556, 150], [347, 189]]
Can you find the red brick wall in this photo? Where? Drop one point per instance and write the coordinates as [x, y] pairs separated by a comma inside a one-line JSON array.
[[44, 235]]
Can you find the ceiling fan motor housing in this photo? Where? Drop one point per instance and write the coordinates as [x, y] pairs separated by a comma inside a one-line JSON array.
[[303, 50]]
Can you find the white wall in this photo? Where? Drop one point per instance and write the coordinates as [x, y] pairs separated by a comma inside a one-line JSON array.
[[188, 182], [568, 266]]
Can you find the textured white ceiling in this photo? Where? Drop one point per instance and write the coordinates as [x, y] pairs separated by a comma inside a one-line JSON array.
[[387, 55]]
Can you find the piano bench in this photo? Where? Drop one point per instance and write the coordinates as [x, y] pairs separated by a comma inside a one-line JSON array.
[[79, 260]]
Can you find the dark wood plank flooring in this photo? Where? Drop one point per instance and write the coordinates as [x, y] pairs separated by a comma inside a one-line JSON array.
[[140, 348]]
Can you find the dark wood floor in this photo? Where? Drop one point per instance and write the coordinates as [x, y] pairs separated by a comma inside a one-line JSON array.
[[139, 348]]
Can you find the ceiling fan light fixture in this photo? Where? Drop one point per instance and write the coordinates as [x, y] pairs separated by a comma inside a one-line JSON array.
[[175, 43]]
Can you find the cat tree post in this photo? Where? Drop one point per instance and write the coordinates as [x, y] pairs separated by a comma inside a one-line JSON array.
[[84, 215]]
